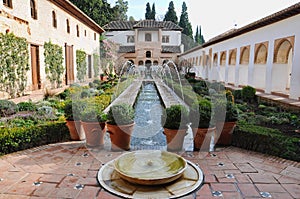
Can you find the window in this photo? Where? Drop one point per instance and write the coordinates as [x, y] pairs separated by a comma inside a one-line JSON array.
[[130, 39], [7, 3], [148, 54], [77, 30], [54, 21], [85, 33], [33, 10], [95, 36], [165, 39], [68, 26], [148, 37]]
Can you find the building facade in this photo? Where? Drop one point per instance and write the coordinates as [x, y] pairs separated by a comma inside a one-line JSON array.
[[145, 42], [264, 54], [58, 21]]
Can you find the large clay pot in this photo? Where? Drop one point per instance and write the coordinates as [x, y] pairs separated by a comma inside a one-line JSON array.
[[225, 130], [94, 133], [75, 129], [175, 138], [202, 138], [120, 136]]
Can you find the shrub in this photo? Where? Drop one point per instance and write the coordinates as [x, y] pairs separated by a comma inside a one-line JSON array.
[[120, 114], [248, 94], [175, 117], [257, 138], [201, 114], [16, 139], [7, 108], [26, 106]]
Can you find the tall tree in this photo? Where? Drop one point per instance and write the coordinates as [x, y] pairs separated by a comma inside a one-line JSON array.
[[153, 12], [122, 7], [171, 14], [184, 21], [148, 11], [201, 37], [98, 10], [197, 35]]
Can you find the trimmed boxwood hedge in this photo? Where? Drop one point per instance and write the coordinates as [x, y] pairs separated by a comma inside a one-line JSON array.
[[17, 139], [266, 140]]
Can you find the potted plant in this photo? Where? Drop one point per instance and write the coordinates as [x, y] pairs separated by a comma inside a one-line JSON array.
[[93, 120], [73, 121], [175, 119], [225, 128], [203, 123], [120, 124]]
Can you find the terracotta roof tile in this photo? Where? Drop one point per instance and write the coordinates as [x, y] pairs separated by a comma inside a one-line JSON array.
[[170, 49], [127, 49]]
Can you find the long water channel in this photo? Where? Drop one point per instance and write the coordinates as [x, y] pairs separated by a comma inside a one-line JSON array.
[[148, 132]]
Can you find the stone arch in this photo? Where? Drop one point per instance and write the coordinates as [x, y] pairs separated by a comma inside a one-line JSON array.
[[155, 62], [245, 53], [141, 62], [232, 57], [215, 60], [131, 61], [261, 54], [223, 59], [282, 51]]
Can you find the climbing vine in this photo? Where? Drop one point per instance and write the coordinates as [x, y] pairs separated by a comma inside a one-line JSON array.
[[54, 63], [96, 64], [81, 64], [14, 64]]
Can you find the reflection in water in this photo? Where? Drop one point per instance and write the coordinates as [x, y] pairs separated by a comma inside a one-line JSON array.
[[148, 130]]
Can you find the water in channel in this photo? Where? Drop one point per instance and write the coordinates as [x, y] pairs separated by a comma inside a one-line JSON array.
[[148, 132]]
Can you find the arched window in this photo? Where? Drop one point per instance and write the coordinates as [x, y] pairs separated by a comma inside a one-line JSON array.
[[54, 20], [282, 52], [148, 54], [245, 56], [68, 26], [148, 37], [141, 63], [33, 10], [155, 63], [215, 59], [261, 55], [223, 59], [232, 57]]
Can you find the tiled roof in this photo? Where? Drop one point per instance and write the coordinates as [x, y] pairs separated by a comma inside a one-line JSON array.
[[130, 25], [127, 49], [170, 49]]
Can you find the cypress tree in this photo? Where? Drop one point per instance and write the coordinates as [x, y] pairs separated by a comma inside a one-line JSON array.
[[153, 12], [148, 11], [171, 14], [197, 35], [184, 22]]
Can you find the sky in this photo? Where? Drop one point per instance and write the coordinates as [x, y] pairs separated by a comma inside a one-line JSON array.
[[214, 16]]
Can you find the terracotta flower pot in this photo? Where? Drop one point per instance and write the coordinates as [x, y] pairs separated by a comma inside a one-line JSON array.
[[202, 137], [120, 136], [224, 131], [75, 129], [94, 133], [175, 138]]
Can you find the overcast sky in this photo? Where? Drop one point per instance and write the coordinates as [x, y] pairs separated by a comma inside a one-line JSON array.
[[214, 16]]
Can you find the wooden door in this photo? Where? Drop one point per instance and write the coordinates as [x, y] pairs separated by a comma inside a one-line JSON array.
[[35, 67], [69, 64]]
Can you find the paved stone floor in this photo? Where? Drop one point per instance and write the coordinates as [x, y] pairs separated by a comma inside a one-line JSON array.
[[54, 171]]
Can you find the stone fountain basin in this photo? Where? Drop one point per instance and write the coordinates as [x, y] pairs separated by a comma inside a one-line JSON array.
[[150, 167]]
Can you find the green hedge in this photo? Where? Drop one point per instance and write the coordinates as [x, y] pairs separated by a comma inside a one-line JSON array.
[[266, 140], [17, 139]]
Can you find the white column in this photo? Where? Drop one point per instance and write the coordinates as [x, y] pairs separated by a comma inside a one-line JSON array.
[[268, 82], [218, 67], [226, 66], [295, 76], [237, 66], [251, 65]]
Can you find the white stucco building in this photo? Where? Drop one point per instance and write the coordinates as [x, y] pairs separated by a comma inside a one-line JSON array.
[[145, 42], [58, 21], [264, 54]]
